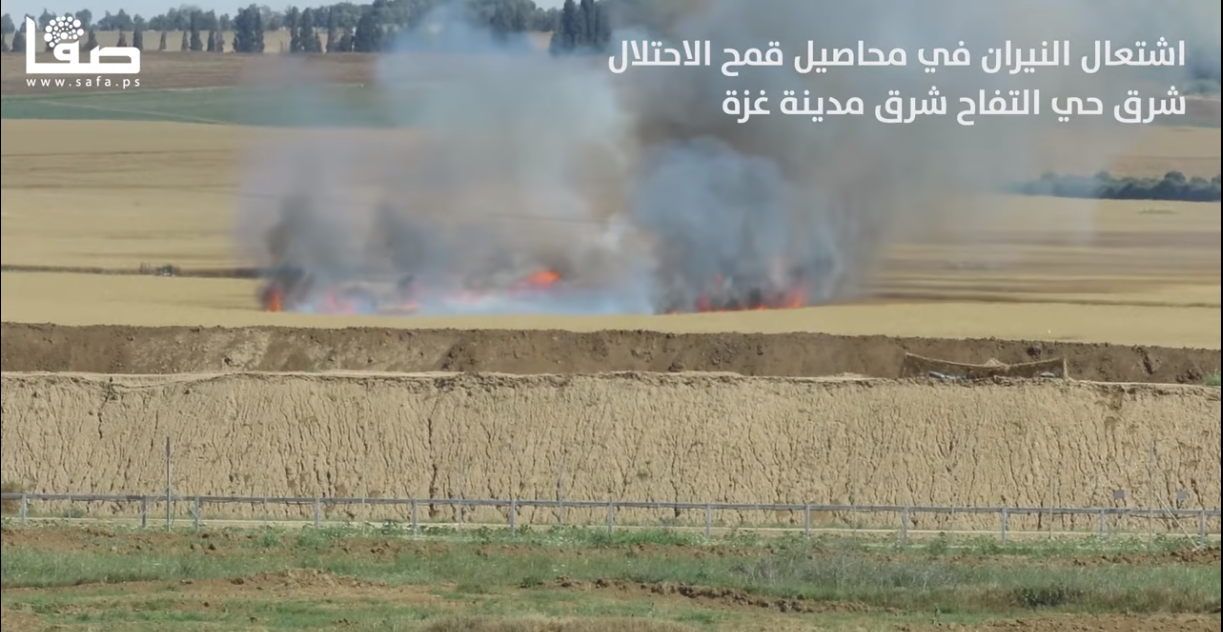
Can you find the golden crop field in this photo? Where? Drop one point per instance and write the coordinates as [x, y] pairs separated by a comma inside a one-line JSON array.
[[1147, 274]]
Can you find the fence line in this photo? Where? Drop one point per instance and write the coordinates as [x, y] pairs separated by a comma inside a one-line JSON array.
[[907, 512]]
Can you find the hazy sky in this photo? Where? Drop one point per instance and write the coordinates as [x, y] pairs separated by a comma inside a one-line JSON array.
[[147, 8]]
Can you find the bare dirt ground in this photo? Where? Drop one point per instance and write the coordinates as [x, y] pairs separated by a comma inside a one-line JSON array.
[[681, 438], [163, 350], [376, 550]]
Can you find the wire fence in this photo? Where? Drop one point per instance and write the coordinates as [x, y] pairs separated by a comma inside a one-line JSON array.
[[1202, 524]]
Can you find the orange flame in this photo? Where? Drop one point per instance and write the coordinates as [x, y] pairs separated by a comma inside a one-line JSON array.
[[334, 301], [792, 299], [274, 301], [544, 278]]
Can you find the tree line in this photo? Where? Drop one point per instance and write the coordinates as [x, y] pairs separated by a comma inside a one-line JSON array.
[[1173, 187], [342, 27]]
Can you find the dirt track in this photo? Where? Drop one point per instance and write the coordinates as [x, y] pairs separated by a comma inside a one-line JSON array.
[[685, 437], [163, 350]]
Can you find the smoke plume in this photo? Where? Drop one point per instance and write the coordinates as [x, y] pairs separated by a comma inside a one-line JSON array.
[[497, 161]]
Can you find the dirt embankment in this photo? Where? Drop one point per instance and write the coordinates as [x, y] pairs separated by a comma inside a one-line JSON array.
[[162, 350], [685, 437]]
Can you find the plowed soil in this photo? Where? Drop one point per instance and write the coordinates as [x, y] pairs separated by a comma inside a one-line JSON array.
[[164, 350]]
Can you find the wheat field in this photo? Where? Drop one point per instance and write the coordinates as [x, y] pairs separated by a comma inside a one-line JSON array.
[[1133, 272]]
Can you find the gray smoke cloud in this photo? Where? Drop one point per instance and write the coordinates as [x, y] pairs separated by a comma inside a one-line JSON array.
[[498, 161]]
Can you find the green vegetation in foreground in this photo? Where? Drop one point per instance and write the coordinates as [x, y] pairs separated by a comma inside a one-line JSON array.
[[488, 573], [1213, 379], [332, 105]]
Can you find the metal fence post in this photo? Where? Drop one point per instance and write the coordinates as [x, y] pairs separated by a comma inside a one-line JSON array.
[[195, 510], [318, 512], [807, 521], [25, 508], [1101, 527], [415, 518], [513, 518], [708, 520], [611, 517], [1004, 518], [904, 525], [1202, 526], [144, 512]]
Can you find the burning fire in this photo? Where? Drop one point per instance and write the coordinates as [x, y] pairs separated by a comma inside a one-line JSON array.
[[293, 290], [544, 278], [273, 300]]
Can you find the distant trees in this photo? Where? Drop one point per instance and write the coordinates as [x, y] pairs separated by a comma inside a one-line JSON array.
[[248, 30], [6, 27], [120, 21], [193, 28], [581, 26], [584, 28], [333, 32], [367, 37], [1174, 186], [291, 19], [307, 33], [303, 32]]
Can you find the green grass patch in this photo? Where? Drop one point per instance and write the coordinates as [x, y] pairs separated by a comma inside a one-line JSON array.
[[974, 578], [1212, 379]]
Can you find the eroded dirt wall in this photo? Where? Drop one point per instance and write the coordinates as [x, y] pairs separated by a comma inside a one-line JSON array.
[[686, 437], [138, 350]]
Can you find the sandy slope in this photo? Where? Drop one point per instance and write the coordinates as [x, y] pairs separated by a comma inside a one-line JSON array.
[[684, 437]]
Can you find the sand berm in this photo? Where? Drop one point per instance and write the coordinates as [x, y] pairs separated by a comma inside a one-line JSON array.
[[158, 350], [690, 437]]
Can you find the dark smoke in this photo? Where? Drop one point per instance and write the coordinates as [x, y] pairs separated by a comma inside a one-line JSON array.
[[500, 161]]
